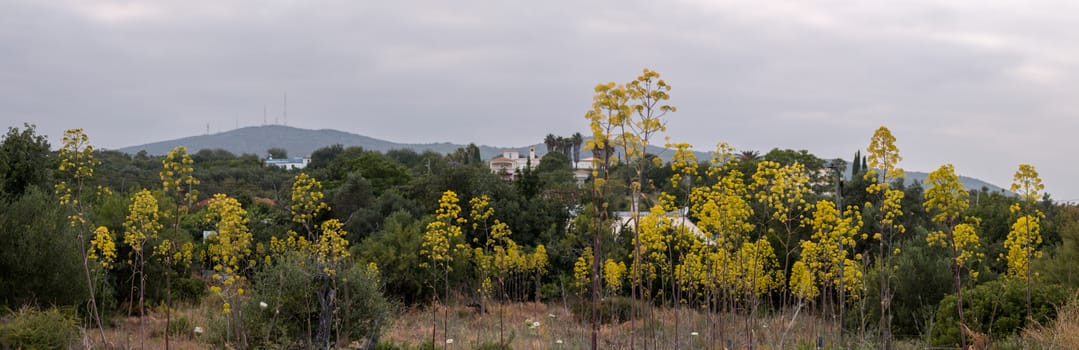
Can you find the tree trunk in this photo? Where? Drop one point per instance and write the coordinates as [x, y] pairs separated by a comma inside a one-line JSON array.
[[168, 299], [326, 298], [94, 313], [958, 294]]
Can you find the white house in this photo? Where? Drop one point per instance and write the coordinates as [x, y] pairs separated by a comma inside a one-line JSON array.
[[510, 162], [288, 163]]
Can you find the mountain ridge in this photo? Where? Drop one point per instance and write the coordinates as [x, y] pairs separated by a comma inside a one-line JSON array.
[[301, 142]]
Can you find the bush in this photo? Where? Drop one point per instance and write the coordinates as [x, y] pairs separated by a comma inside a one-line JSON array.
[[611, 309], [998, 309], [30, 328], [189, 290], [389, 345], [288, 291]]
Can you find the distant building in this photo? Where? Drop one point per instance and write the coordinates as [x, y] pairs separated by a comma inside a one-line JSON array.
[[510, 163], [582, 170], [288, 163]]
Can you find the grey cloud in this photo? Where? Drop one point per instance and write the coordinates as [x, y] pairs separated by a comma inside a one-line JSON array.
[[983, 87]]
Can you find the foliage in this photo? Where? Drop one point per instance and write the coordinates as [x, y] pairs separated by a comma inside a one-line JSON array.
[[24, 161], [614, 309], [229, 249], [1024, 235], [997, 309], [396, 250], [30, 328], [280, 310], [40, 261]]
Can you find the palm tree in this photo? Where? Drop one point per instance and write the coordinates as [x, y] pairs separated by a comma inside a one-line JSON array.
[[550, 142], [577, 140], [747, 156]]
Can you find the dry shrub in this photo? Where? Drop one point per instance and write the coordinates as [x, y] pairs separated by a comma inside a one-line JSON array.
[[1062, 333]]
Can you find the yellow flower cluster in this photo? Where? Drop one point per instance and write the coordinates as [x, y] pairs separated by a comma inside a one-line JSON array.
[[102, 248], [142, 221]]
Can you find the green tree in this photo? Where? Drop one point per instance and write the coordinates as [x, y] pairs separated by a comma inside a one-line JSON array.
[[440, 245], [946, 200], [77, 164], [647, 108], [327, 248], [229, 251], [277, 153], [1025, 235], [883, 159], [396, 248], [609, 110], [140, 228], [177, 180], [40, 262], [24, 161]]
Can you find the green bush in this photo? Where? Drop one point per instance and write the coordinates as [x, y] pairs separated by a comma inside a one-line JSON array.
[[611, 309], [30, 328], [998, 309], [189, 290], [492, 346], [283, 305], [389, 345]]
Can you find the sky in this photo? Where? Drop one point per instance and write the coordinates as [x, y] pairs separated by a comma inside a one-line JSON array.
[[984, 85]]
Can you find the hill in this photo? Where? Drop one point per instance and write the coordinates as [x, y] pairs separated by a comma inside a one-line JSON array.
[[970, 183], [298, 142], [301, 142]]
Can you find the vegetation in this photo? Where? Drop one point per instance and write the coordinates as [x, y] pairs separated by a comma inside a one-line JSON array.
[[737, 250]]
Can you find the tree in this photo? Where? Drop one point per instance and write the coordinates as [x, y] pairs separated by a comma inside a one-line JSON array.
[[883, 156], [229, 250], [326, 248], [647, 107], [177, 179], [782, 190], [609, 109], [24, 161], [577, 140], [856, 164], [1025, 234], [440, 242], [77, 166], [550, 141], [141, 227], [277, 153], [946, 200]]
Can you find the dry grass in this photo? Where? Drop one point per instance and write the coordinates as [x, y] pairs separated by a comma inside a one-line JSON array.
[[1063, 333], [124, 332], [469, 329]]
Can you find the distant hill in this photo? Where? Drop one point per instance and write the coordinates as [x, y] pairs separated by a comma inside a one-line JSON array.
[[298, 142], [970, 183], [301, 142]]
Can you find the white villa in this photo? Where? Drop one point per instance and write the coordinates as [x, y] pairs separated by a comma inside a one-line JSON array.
[[288, 163], [510, 162]]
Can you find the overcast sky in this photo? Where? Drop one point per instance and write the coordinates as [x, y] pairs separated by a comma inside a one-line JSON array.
[[985, 85]]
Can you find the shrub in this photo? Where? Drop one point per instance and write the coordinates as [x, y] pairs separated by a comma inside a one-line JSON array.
[[188, 289], [30, 328], [283, 305], [997, 309], [611, 309]]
